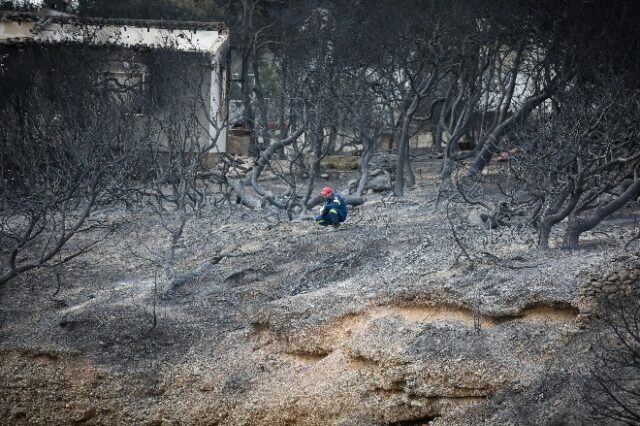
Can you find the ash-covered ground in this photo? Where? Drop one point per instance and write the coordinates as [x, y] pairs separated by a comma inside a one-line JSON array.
[[392, 320]]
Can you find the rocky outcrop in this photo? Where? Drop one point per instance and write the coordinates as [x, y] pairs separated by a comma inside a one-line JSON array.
[[602, 285], [379, 180], [419, 361]]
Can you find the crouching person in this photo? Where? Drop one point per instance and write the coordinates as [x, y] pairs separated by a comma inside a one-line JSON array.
[[335, 209]]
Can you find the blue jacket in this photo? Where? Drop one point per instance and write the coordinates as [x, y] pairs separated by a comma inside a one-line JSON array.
[[335, 210]]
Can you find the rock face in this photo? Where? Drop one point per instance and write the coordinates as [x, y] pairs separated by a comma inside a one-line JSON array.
[[410, 361], [384, 365], [340, 162], [379, 180], [377, 324]]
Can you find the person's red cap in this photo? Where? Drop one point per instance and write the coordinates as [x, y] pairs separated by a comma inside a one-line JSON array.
[[326, 191]]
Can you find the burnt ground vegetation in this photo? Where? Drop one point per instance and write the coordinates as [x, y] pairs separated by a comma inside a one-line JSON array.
[[384, 321]]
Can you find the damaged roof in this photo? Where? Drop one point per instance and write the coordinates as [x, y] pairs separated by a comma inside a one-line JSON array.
[[52, 27], [64, 18]]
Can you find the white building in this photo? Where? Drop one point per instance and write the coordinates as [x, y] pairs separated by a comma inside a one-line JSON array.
[[208, 41]]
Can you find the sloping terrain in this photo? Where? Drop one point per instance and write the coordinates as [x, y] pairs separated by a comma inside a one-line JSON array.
[[384, 322]]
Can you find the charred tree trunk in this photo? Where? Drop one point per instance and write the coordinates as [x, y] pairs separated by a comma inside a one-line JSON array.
[[572, 235], [333, 137], [364, 168], [577, 225], [263, 124], [490, 144], [248, 114], [411, 177], [437, 138], [403, 157], [544, 233], [555, 213]]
